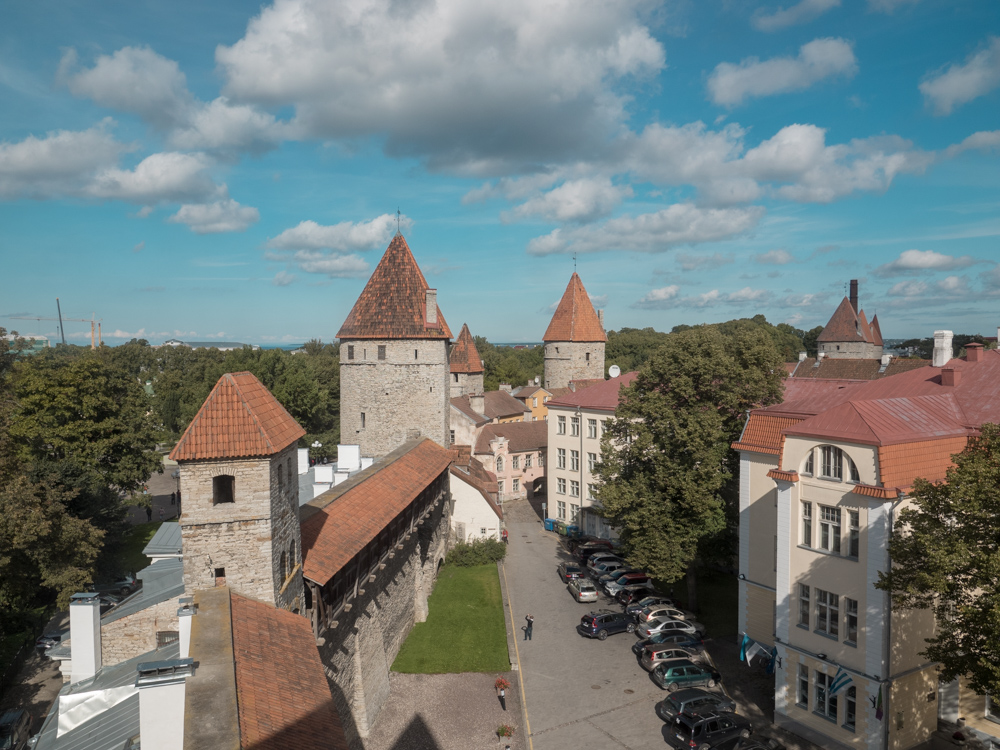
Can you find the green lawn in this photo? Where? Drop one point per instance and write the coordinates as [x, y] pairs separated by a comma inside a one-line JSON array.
[[465, 629]]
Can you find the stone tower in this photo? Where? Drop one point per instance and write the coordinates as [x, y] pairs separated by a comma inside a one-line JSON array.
[[848, 334], [394, 368], [466, 365], [574, 340], [239, 481]]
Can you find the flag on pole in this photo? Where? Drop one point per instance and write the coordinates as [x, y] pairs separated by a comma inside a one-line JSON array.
[[840, 681], [878, 705], [743, 647], [753, 650], [774, 658]]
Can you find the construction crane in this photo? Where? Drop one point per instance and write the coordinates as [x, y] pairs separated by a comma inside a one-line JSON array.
[[94, 324]]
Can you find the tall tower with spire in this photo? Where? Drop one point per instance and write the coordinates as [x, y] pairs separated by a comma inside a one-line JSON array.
[[394, 367], [467, 369], [575, 339]]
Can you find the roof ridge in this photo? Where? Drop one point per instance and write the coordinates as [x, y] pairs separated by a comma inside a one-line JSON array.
[[573, 319]]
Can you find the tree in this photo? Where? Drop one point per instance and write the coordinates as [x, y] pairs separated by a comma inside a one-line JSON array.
[[631, 348], [945, 552], [666, 461]]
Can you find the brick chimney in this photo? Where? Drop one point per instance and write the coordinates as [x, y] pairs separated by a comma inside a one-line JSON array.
[[431, 315], [973, 352], [477, 403], [950, 376], [854, 295], [943, 352], [600, 317]]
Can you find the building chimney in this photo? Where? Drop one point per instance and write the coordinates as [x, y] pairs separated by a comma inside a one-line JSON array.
[[431, 316], [950, 376], [85, 634], [185, 616], [942, 348], [161, 702], [973, 352], [505, 387], [854, 295], [600, 317], [802, 356], [476, 402], [886, 359]]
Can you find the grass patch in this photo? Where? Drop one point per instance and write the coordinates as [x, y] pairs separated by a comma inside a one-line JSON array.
[[465, 630], [718, 597], [126, 555]]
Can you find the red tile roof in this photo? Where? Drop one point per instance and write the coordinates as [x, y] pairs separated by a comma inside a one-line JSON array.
[[762, 433], [522, 437], [575, 318], [496, 405], [854, 369], [876, 331], [461, 403], [393, 304], [846, 325], [579, 385], [341, 521], [783, 476], [474, 474], [604, 396], [464, 356], [283, 696], [900, 464], [869, 490], [239, 419]]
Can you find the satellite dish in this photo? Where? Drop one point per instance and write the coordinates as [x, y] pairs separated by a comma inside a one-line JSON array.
[[614, 371]]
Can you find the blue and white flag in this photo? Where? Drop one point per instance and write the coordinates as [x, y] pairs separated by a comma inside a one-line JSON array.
[[743, 647], [771, 662], [840, 681]]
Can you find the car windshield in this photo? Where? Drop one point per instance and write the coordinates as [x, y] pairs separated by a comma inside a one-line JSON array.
[[587, 587]]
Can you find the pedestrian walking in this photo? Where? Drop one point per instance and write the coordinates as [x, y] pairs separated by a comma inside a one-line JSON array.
[[161, 514], [527, 629], [504, 535], [149, 513], [173, 498], [503, 699]]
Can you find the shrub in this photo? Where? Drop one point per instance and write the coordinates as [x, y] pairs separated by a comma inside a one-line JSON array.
[[502, 684], [505, 730], [478, 552]]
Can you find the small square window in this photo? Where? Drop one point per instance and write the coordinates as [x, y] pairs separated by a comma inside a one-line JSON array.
[[223, 489], [350, 351], [381, 351]]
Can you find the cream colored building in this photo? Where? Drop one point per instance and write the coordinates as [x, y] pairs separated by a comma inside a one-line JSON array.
[[823, 476]]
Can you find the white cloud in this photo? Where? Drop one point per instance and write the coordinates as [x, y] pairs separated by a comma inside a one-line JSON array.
[[984, 140], [347, 236], [163, 177], [747, 294], [283, 278], [730, 84], [959, 84], [956, 286], [668, 297], [917, 261], [697, 262], [334, 265], [778, 257], [908, 289], [679, 224], [888, 6], [574, 201], [221, 125], [476, 87], [803, 300], [659, 298], [225, 215], [802, 12]]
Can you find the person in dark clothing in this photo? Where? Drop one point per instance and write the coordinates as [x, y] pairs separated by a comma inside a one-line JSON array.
[[528, 627], [149, 513], [503, 699], [173, 498]]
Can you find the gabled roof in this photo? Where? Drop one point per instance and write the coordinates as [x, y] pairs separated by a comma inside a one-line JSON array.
[[603, 396], [853, 369], [393, 304], [762, 433], [338, 524], [474, 474], [496, 405], [461, 404], [239, 419], [575, 318], [522, 437], [464, 356], [845, 325]]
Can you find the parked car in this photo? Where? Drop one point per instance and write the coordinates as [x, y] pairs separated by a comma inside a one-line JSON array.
[[608, 577], [602, 557], [48, 640], [684, 640], [693, 700], [684, 673], [574, 543], [568, 572], [664, 624], [583, 552], [606, 567], [654, 655], [603, 623], [583, 590], [707, 731], [646, 601], [123, 585], [613, 587], [636, 592], [15, 729], [660, 612]]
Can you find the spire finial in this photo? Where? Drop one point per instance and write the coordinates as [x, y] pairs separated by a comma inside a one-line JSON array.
[[574, 262], [397, 220]]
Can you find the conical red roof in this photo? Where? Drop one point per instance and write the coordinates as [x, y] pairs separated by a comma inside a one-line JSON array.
[[393, 304], [846, 325], [876, 331], [464, 356], [239, 419], [575, 318]]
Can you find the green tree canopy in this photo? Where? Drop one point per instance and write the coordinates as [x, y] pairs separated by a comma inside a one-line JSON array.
[[945, 552], [666, 460]]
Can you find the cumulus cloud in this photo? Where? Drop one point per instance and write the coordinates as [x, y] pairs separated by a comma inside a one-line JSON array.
[[679, 224], [908, 289], [476, 87], [225, 215], [574, 201], [803, 300], [697, 262], [801, 12], [334, 265], [658, 299], [958, 84], [778, 257], [283, 278], [888, 6], [168, 176], [747, 294], [731, 84], [917, 261], [984, 140], [669, 297], [347, 236]]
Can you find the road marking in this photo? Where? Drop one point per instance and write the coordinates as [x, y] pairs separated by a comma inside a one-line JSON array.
[[517, 655]]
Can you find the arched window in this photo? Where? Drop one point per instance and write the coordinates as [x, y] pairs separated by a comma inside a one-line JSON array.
[[855, 476], [499, 463], [808, 466], [223, 489], [831, 462]]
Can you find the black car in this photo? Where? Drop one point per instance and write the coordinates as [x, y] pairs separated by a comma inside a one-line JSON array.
[[15, 729], [603, 623], [692, 701], [636, 604], [635, 592], [568, 572], [684, 640], [706, 731]]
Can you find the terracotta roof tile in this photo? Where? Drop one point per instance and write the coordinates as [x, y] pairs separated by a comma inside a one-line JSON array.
[[869, 490], [283, 696], [876, 331], [845, 325], [575, 318], [239, 419], [900, 464], [604, 396], [783, 476], [522, 437], [762, 433], [341, 521], [393, 304], [865, 328], [579, 385], [464, 356]]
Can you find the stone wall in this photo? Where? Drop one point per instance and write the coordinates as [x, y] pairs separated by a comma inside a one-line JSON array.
[[464, 383], [401, 396], [567, 360], [135, 634], [850, 350], [360, 650], [246, 537]]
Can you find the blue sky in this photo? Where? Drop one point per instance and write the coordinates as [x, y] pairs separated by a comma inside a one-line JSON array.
[[231, 170]]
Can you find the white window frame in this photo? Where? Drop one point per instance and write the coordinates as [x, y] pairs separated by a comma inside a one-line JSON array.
[[809, 467], [560, 486], [574, 513], [829, 529], [499, 464], [853, 533], [831, 463], [560, 425], [592, 429], [590, 491], [515, 485], [574, 427], [825, 704], [591, 462], [574, 488], [805, 611], [527, 461], [560, 458], [827, 613], [802, 694], [851, 620], [515, 462], [574, 460], [807, 533], [850, 708], [561, 510]]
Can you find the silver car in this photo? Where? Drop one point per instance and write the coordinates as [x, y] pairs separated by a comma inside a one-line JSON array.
[[583, 590], [662, 624]]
